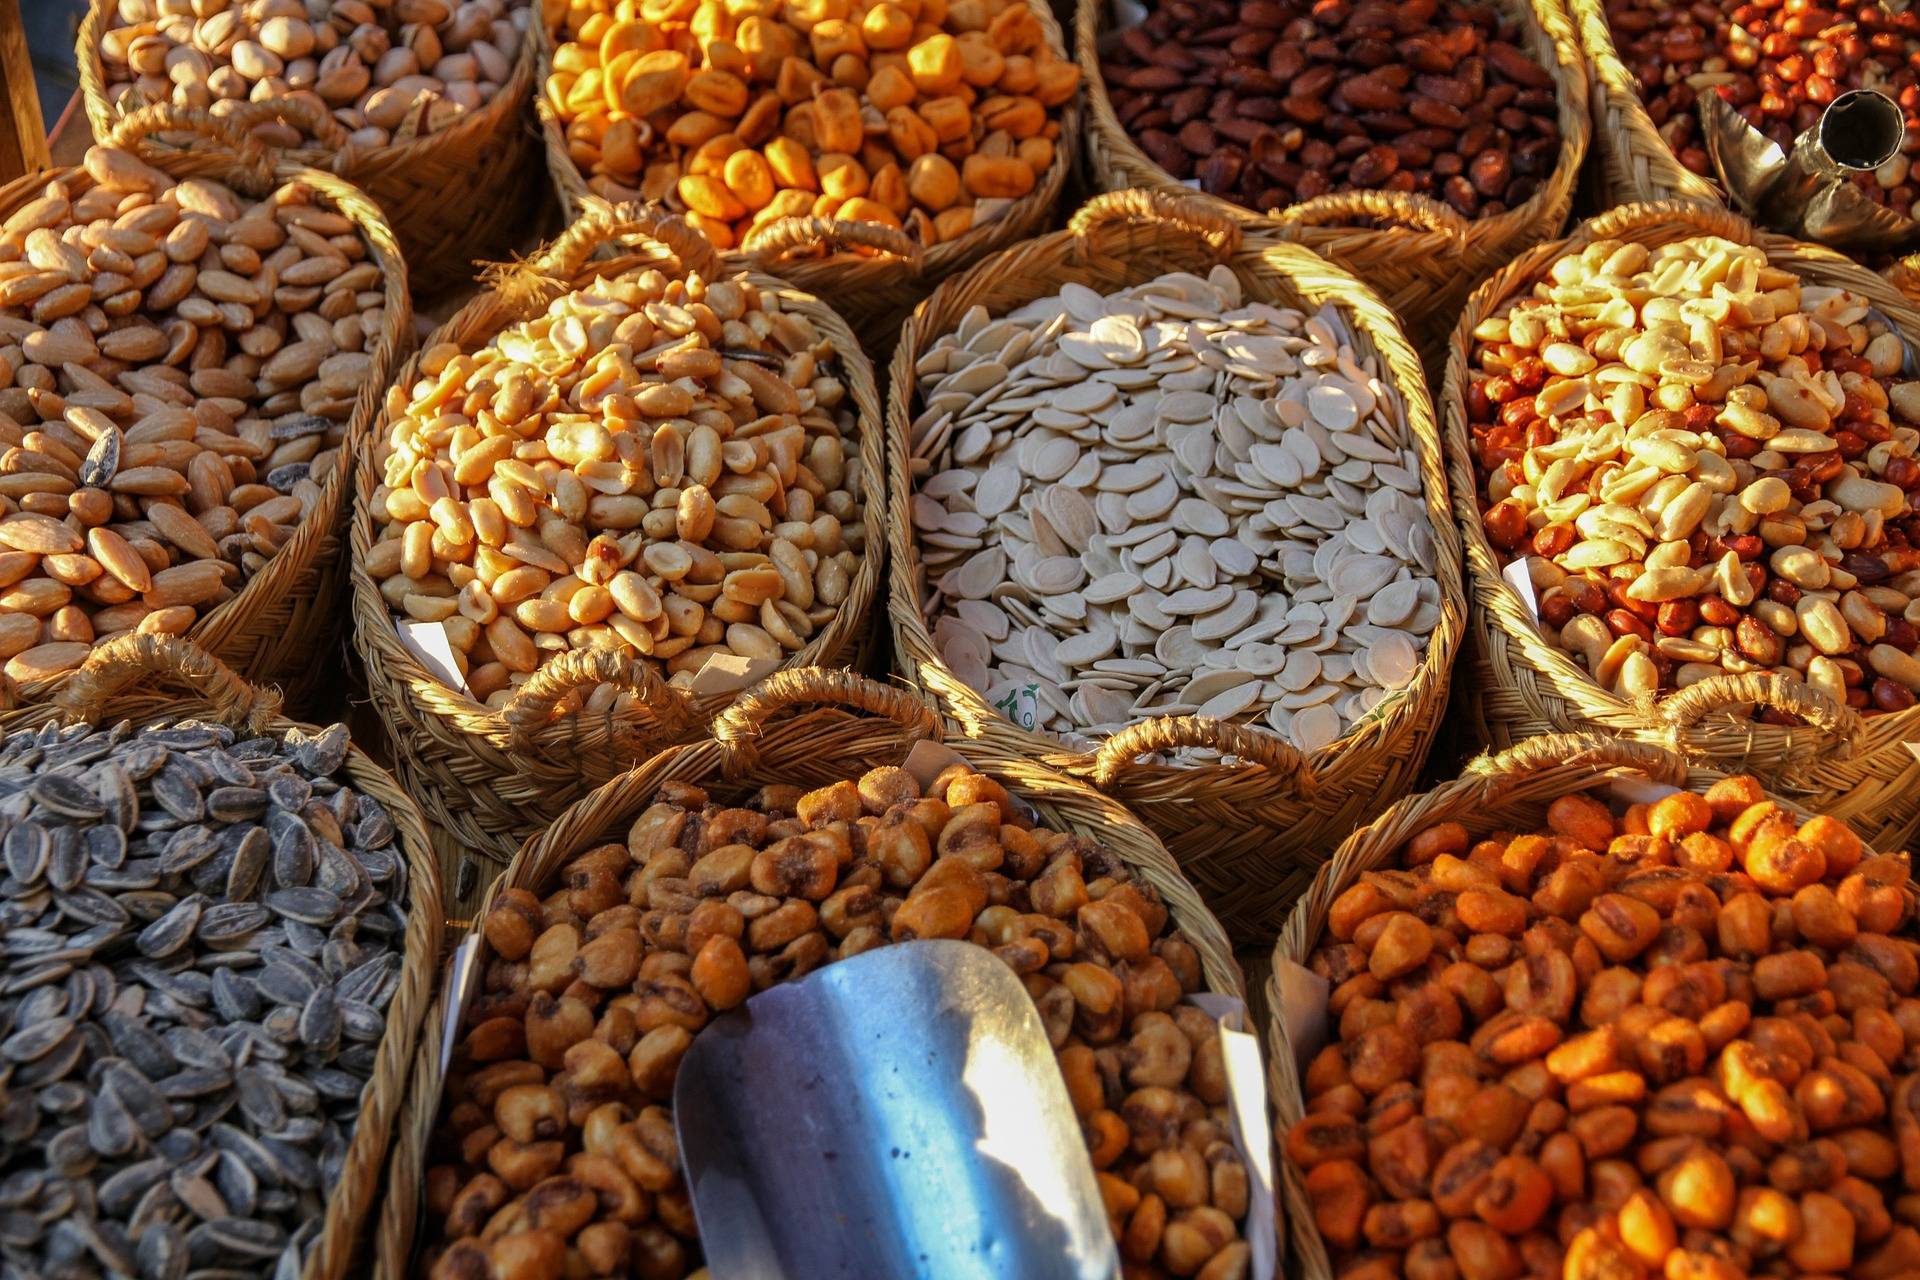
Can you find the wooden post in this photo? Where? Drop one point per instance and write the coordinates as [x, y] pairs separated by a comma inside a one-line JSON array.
[[23, 136]]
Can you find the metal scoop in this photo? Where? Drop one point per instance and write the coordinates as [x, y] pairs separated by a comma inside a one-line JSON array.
[[1807, 190], [898, 1113]]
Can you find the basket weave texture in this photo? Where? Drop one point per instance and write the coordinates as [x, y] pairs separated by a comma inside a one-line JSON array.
[[807, 727], [1248, 834], [155, 679], [454, 197], [282, 625], [872, 275], [1510, 791], [1635, 161], [486, 779], [1837, 762], [1417, 253]]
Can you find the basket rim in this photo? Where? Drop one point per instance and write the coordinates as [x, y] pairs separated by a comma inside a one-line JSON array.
[[393, 671], [614, 802], [1637, 163], [386, 1091], [828, 275], [360, 163], [1500, 616], [1537, 768], [215, 631], [1278, 266], [1487, 242]]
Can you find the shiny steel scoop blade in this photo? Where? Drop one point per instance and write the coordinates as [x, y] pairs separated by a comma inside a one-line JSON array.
[[897, 1114]]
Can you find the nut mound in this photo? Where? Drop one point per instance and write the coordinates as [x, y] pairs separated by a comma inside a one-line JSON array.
[[658, 465], [556, 1154], [930, 116], [1708, 467], [387, 70], [1271, 102], [183, 363], [1677, 1041]]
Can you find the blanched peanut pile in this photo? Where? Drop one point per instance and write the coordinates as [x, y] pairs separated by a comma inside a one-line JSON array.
[[1679, 1043], [557, 1152], [661, 465], [927, 115], [1709, 468], [177, 367], [387, 70]]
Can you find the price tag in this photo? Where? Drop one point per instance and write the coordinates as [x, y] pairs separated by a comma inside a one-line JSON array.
[[1021, 705], [1521, 580]]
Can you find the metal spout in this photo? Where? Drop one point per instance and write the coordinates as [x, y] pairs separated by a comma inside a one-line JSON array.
[[1861, 129]]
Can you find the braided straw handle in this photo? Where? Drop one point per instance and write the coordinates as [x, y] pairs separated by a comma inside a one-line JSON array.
[[738, 729], [531, 707], [1684, 710], [1220, 232], [601, 223], [1627, 218], [119, 663], [1342, 208], [1269, 751], [768, 244], [139, 132], [1498, 774]]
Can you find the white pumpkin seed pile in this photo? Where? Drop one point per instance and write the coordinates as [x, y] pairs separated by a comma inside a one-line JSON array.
[[1170, 501], [199, 938]]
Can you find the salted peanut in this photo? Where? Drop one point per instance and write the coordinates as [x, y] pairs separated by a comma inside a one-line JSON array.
[[1748, 518], [703, 504]]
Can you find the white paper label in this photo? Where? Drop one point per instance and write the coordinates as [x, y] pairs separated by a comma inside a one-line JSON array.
[[1190, 183], [428, 642], [730, 673], [1021, 705], [1637, 790], [1252, 1130], [1303, 1008], [1520, 579], [928, 758], [462, 976], [1913, 748]]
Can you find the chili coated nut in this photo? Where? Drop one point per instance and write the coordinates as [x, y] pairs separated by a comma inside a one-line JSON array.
[[660, 466], [1707, 466], [929, 116], [1702, 1061], [555, 1156], [1279, 101], [178, 365], [1779, 63]]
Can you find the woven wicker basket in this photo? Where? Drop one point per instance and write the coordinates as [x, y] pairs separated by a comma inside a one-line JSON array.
[[1635, 161], [874, 290], [1838, 762], [1250, 834], [1508, 791], [1417, 253], [489, 779], [752, 747], [454, 197], [281, 626], [127, 679]]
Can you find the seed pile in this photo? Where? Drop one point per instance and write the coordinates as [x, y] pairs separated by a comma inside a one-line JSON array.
[[556, 1154], [387, 70], [200, 936], [1708, 466], [1170, 501], [1675, 1041], [655, 464], [181, 366]]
